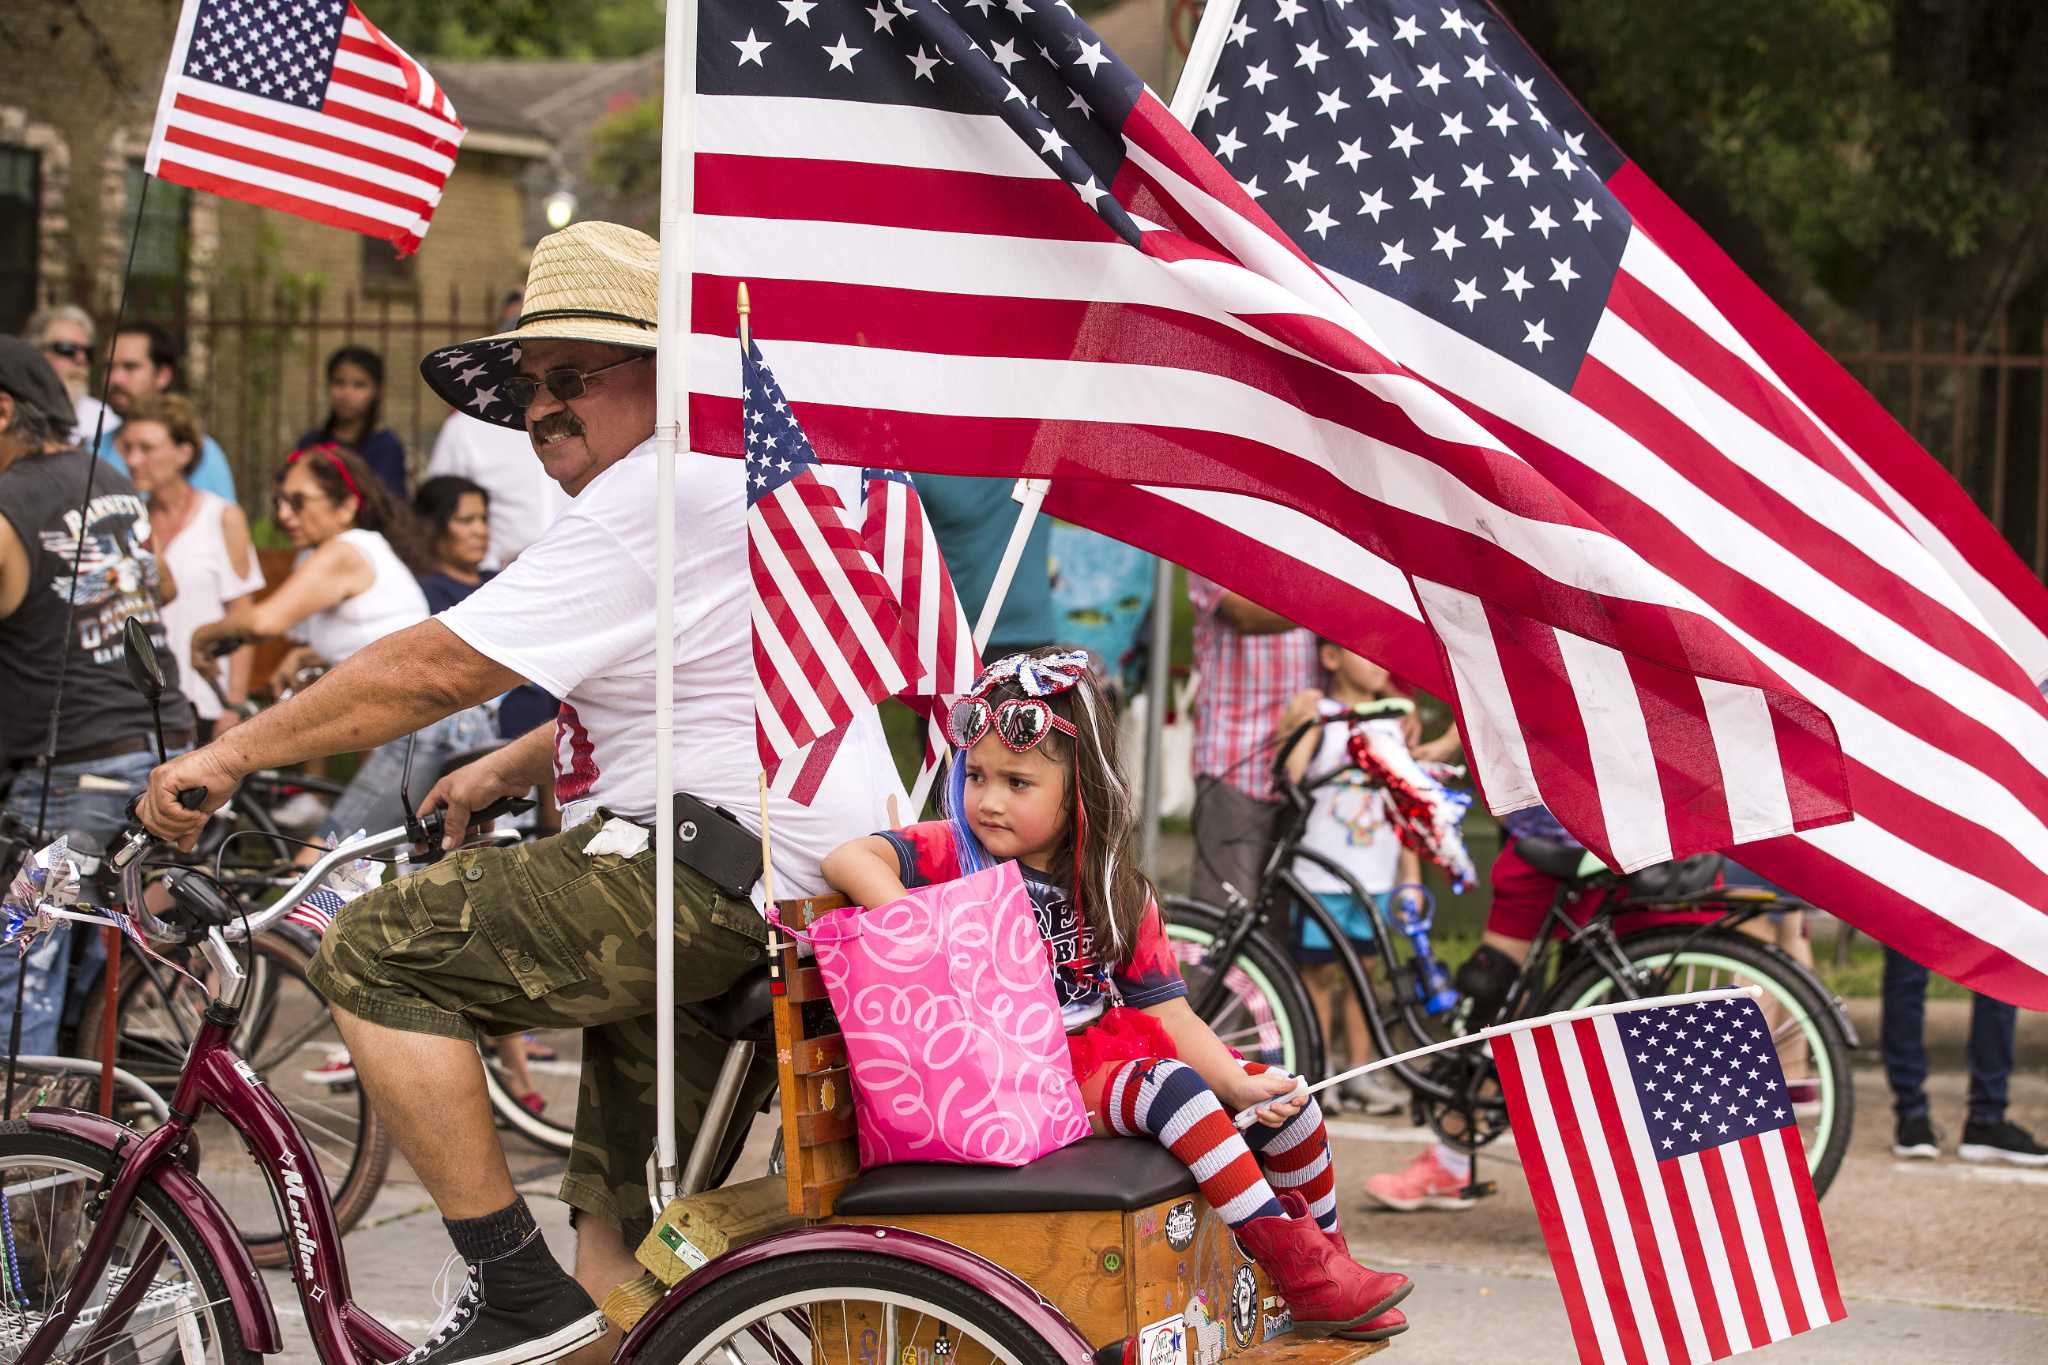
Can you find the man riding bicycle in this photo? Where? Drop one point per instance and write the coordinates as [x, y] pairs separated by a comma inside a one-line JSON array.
[[558, 933]]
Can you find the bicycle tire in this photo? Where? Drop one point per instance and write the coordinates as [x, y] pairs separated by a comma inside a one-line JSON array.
[[1268, 1004], [712, 1318], [23, 1148], [545, 1129], [352, 1144], [1785, 982]]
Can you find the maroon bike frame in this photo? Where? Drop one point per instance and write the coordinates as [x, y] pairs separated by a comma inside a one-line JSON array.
[[215, 1075]]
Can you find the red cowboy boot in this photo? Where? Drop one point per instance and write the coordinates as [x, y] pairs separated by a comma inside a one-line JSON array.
[[1328, 1293], [1391, 1323]]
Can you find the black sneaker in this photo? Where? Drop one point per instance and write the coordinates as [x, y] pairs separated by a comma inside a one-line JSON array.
[[2001, 1141], [530, 1321], [1915, 1139]]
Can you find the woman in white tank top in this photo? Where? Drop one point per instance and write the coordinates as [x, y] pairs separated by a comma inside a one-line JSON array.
[[202, 545], [354, 585]]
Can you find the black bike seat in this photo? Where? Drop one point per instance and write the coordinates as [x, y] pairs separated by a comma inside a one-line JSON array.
[[469, 756], [741, 1014], [1551, 857], [1095, 1173]]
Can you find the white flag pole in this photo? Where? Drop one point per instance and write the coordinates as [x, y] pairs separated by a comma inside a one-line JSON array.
[[1250, 1116], [1204, 52], [672, 437], [1030, 495]]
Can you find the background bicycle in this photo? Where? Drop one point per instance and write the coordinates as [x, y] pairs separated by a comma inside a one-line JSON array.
[[1604, 937]]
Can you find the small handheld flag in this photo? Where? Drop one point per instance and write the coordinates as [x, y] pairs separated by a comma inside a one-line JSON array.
[[828, 631], [1667, 1170]]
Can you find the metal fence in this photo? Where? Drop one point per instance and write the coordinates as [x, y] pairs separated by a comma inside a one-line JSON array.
[[257, 362], [1980, 407]]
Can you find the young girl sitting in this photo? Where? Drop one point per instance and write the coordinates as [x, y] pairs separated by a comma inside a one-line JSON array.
[[1037, 781]]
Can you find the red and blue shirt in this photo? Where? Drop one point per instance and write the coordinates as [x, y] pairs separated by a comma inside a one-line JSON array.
[[1085, 985]]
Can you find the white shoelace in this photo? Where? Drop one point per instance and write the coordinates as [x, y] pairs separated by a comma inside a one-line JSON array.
[[455, 1309]]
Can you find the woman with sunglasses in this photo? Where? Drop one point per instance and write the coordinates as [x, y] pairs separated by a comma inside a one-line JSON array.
[[1035, 778], [202, 541], [355, 585]]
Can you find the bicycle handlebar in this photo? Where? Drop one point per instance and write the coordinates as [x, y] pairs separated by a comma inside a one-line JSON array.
[[1371, 711], [128, 861]]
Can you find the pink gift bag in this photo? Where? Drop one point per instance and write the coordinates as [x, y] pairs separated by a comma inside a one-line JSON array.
[[952, 1029]]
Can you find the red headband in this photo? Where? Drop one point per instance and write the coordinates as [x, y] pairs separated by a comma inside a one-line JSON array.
[[333, 454]]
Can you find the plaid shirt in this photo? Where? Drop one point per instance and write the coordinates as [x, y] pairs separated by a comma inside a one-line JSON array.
[[1246, 681]]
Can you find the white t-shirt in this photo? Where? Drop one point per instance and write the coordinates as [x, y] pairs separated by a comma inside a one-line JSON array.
[[1349, 823], [574, 614], [392, 602], [207, 582], [524, 500]]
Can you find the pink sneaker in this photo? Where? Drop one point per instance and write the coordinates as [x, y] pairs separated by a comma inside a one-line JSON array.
[[1422, 1184]]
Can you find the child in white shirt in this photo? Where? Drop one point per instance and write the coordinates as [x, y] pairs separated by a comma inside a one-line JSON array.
[[1350, 824]]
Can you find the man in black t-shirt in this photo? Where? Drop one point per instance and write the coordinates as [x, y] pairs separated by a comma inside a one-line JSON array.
[[73, 570]]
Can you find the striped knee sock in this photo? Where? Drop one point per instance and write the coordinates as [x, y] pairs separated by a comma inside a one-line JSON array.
[[1169, 1101], [1297, 1157]]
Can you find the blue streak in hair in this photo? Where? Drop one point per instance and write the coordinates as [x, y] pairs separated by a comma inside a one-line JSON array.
[[973, 857]]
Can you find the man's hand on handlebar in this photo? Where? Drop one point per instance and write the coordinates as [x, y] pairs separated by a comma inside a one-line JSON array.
[[160, 811], [469, 788]]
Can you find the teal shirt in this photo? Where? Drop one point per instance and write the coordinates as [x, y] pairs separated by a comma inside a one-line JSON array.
[[210, 475], [972, 519]]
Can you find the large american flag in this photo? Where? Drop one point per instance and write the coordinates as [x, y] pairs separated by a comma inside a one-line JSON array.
[[986, 248], [1694, 420], [1658, 550], [1668, 1174], [828, 632], [305, 107]]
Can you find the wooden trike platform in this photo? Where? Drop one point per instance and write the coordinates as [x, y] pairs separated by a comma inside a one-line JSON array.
[[1110, 1233]]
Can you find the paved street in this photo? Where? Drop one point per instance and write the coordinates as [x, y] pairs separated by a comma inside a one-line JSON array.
[[1940, 1262]]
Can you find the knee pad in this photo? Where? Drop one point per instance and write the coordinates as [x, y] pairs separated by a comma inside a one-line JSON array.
[[1485, 978]]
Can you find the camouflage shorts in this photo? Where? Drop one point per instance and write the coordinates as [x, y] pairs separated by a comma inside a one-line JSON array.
[[540, 936]]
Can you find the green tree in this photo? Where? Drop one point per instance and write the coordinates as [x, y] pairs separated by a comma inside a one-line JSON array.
[[522, 28], [1863, 159]]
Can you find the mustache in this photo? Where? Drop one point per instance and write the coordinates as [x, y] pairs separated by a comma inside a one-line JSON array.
[[553, 425]]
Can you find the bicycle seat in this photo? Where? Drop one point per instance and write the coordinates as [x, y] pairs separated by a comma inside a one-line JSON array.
[[468, 756], [741, 1014], [1551, 857], [1095, 1173]]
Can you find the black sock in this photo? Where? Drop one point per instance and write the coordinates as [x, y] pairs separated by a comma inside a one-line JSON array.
[[496, 1236]]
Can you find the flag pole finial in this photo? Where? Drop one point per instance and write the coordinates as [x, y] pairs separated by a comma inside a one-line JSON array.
[[745, 307]]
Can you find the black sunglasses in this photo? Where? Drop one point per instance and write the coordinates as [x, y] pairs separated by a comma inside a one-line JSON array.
[[70, 350], [567, 385]]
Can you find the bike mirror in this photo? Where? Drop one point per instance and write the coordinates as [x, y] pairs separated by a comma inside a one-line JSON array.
[[413, 828], [145, 670]]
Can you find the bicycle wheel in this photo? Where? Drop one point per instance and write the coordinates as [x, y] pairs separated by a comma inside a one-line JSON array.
[[1809, 1037], [1266, 1012], [289, 1036], [542, 1106], [843, 1307], [46, 1180]]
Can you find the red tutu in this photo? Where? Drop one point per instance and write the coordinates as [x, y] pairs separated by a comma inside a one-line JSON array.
[[1120, 1035]]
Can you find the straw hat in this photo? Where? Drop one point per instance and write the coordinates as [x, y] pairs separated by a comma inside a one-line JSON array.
[[588, 282]]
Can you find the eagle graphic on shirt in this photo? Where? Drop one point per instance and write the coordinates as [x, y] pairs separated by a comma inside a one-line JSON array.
[[106, 570]]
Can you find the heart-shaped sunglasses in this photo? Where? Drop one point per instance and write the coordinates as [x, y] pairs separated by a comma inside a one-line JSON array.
[[1021, 723]]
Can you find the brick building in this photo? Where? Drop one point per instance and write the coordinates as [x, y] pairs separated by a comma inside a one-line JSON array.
[[258, 298]]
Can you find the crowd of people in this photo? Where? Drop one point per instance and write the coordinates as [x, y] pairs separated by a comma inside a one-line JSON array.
[[507, 598]]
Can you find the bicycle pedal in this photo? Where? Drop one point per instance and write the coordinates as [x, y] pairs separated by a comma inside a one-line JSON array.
[[1480, 1189]]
